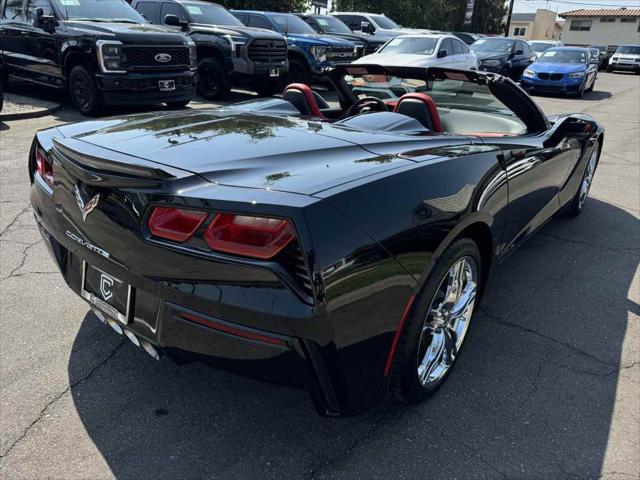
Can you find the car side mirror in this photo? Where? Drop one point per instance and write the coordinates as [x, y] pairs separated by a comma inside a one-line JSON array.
[[519, 52], [443, 53], [45, 22], [366, 27], [174, 21]]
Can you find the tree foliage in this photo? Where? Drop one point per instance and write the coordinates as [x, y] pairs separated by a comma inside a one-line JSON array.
[[445, 15], [267, 5]]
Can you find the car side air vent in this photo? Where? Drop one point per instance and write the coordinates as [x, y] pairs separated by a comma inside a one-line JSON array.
[[292, 259]]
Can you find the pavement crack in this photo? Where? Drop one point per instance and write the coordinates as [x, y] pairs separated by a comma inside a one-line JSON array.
[[14, 220], [23, 261], [457, 440], [49, 404], [628, 251], [496, 319]]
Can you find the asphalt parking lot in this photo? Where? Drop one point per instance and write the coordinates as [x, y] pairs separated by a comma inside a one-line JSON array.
[[548, 386]]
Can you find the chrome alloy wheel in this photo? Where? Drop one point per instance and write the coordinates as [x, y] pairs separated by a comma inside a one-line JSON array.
[[447, 322], [588, 178]]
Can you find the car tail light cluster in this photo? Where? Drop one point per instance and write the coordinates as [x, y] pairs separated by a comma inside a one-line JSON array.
[[245, 235], [44, 167]]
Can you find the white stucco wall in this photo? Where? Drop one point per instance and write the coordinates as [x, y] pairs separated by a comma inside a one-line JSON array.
[[615, 33]]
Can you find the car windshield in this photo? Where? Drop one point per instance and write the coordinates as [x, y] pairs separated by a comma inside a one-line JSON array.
[[540, 46], [492, 45], [332, 25], [414, 45], [99, 11], [564, 56], [211, 14], [384, 22], [629, 49], [291, 24]]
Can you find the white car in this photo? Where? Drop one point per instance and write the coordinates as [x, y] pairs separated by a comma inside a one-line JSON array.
[[626, 57], [541, 46], [435, 50]]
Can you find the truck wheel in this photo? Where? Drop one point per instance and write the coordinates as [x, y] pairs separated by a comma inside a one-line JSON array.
[[213, 83], [180, 104], [84, 92], [299, 72]]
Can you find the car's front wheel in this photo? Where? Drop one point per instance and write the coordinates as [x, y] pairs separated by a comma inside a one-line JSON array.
[[84, 92], [437, 324]]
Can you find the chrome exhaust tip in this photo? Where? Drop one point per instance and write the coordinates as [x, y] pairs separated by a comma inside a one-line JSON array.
[[113, 324], [132, 336], [150, 349]]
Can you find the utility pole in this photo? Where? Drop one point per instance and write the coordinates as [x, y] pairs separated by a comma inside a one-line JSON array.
[[508, 25]]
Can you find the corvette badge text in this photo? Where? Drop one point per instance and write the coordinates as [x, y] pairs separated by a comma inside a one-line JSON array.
[[87, 245]]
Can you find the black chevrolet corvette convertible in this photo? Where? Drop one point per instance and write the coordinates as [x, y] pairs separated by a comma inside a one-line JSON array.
[[337, 239]]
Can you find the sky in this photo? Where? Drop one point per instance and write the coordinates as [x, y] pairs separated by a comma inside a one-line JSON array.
[[560, 6]]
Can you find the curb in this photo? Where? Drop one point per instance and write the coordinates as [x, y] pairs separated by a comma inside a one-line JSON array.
[[8, 117]]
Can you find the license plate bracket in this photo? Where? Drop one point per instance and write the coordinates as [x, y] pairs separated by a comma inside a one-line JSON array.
[[106, 292], [166, 85]]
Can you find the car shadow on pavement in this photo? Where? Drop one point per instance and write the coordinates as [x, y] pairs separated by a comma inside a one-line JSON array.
[[593, 96], [532, 396]]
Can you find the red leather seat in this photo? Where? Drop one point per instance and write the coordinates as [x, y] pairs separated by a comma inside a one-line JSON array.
[[421, 107], [302, 97]]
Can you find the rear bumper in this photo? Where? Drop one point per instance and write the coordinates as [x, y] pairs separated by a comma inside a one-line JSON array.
[[141, 89], [628, 67], [237, 326]]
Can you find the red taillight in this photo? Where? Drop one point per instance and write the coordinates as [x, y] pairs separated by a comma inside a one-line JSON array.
[[44, 167], [257, 237], [175, 224]]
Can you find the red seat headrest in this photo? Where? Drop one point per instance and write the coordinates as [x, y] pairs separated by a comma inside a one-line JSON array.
[[301, 96], [421, 107]]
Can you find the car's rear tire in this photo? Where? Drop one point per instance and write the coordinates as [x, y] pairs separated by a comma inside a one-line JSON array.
[[213, 82], [609, 69], [437, 323], [84, 92], [577, 203]]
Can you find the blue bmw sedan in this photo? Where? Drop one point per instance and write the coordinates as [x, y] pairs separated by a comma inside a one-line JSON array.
[[561, 70]]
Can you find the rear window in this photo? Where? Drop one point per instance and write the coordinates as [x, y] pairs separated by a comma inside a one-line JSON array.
[[412, 45]]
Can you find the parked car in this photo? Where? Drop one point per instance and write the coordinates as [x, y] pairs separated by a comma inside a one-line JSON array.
[[626, 58], [506, 56], [379, 27], [540, 46], [466, 37], [568, 70], [605, 55], [332, 25], [3, 80], [424, 51], [102, 51], [271, 239], [310, 53], [229, 53]]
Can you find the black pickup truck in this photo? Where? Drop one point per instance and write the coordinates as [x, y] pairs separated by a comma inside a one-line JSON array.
[[229, 53], [102, 51]]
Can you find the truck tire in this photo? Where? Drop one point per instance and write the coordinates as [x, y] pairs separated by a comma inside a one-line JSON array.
[[213, 82], [299, 72], [84, 92]]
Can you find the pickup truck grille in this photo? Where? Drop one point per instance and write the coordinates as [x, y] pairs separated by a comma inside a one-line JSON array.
[[268, 51], [144, 58], [341, 54]]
